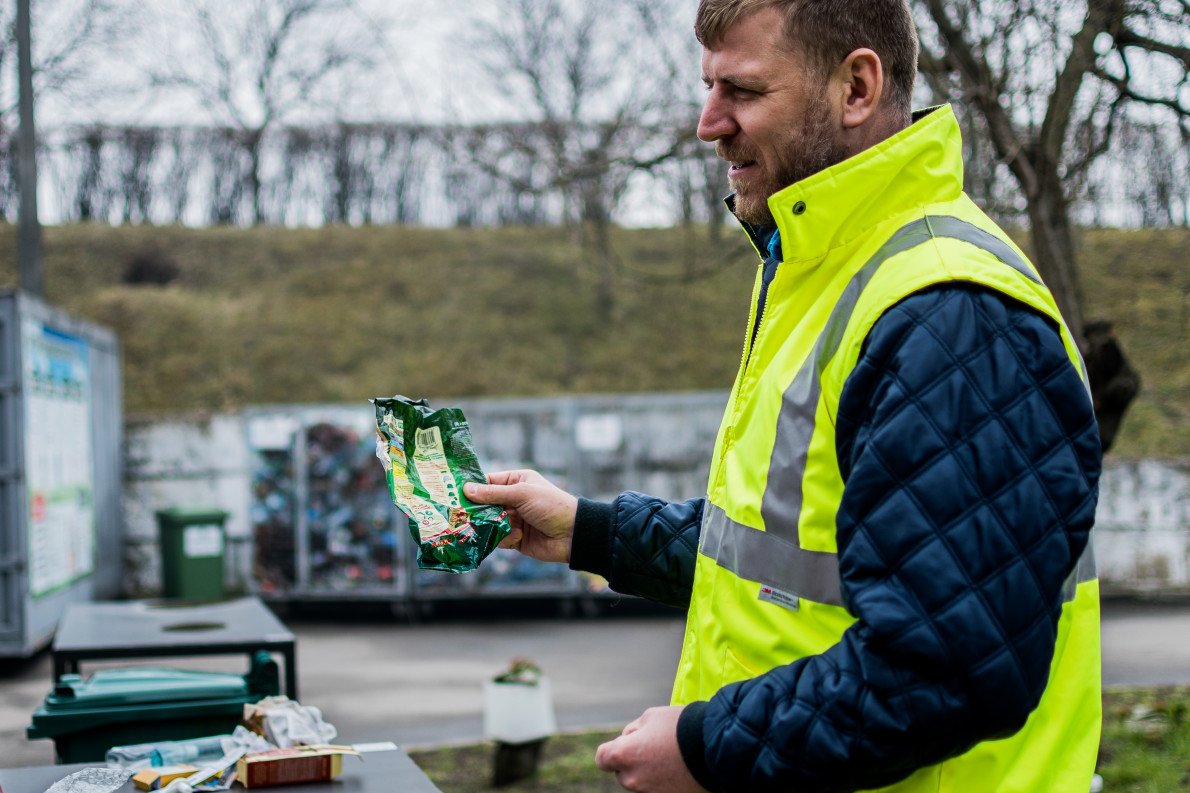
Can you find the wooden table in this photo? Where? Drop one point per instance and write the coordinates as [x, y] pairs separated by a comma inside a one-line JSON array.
[[159, 629]]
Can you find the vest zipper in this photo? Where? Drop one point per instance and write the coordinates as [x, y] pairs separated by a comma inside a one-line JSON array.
[[761, 308], [751, 333]]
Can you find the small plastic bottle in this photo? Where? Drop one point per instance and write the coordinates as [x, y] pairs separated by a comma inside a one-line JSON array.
[[192, 751], [139, 755]]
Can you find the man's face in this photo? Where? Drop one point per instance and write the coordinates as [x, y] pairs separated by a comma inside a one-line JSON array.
[[767, 112]]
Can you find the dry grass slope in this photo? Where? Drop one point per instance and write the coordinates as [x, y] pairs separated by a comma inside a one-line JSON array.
[[213, 319]]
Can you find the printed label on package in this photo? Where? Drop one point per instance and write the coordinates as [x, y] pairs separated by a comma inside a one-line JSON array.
[[427, 457]]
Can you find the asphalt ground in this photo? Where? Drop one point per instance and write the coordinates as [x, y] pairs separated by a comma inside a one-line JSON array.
[[376, 677]]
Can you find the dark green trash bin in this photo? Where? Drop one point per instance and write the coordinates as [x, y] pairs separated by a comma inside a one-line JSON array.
[[192, 550], [119, 707]]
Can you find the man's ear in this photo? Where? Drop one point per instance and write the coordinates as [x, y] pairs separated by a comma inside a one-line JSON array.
[[861, 76]]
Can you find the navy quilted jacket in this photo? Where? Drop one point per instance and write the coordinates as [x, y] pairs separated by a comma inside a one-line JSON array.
[[970, 459]]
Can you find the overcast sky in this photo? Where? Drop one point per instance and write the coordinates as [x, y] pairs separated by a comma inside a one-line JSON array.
[[426, 66], [411, 42]]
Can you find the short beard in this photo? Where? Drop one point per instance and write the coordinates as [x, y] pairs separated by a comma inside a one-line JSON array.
[[808, 150]]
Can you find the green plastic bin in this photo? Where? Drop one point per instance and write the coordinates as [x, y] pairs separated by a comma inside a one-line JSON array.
[[192, 550], [118, 707]]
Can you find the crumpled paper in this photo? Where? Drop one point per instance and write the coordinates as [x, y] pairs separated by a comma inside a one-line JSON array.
[[91, 780], [286, 723], [249, 741]]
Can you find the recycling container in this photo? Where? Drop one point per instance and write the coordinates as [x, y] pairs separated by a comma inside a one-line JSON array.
[[61, 469], [192, 550], [118, 707]]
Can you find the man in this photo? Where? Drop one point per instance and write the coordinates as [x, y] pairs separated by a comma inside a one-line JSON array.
[[888, 583]]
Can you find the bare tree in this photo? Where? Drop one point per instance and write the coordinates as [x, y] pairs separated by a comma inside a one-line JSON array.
[[1154, 171], [68, 38], [699, 177], [592, 87], [1049, 82], [259, 64]]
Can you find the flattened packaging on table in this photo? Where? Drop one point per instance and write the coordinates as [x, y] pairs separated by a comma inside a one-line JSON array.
[[295, 765], [428, 455], [159, 777]]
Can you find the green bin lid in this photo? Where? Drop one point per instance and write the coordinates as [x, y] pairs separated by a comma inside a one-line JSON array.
[[144, 696], [192, 515], [115, 687], [56, 723]]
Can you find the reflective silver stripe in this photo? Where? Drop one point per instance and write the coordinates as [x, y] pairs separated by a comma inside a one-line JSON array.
[[768, 559], [1083, 572], [944, 226], [781, 506], [759, 556]]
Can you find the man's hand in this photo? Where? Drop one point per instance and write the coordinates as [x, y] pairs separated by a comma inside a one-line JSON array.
[[645, 758], [541, 514]]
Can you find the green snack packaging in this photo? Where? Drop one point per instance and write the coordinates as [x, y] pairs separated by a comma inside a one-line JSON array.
[[428, 455]]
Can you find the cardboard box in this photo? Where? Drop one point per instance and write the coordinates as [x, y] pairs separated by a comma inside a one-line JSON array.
[[157, 778], [292, 766]]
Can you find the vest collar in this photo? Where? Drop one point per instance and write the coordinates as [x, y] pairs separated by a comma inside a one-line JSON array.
[[922, 164]]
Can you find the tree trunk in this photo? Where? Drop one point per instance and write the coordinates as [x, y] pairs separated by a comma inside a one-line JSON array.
[[594, 235], [599, 229], [1053, 252], [1114, 383], [252, 143]]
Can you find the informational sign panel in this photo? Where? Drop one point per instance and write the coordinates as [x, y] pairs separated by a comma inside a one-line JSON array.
[[60, 480]]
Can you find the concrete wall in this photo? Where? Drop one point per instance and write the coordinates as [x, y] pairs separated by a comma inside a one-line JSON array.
[[596, 446], [184, 462], [1142, 535]]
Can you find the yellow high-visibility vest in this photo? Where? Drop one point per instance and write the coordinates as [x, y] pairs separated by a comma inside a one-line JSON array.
[[858, 238]]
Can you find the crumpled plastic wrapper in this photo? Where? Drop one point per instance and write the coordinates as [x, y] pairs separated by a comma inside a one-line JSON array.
[[428, 456], [91, 780], [286, 723]]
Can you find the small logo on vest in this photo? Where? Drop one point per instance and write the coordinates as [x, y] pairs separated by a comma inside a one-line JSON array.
[[786, 600]]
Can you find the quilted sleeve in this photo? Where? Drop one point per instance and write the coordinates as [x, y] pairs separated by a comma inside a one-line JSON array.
[[971, 458], [642, 545]]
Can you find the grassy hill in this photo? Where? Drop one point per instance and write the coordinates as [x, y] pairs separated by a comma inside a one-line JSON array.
[[213, 319]]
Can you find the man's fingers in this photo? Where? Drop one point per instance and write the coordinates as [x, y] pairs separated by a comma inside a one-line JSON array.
[[510, 477], [513, 540], [631, 728], [504, 495], [607, 758]]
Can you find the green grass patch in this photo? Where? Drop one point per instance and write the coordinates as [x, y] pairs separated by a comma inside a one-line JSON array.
[[567, 766], [1139, 280], [1146, 740], [1145, 749], [273, 315]]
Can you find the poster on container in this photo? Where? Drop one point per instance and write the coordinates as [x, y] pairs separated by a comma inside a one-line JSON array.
[[60, 480]]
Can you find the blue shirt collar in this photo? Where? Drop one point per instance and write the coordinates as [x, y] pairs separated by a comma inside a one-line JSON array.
[[774, 244]]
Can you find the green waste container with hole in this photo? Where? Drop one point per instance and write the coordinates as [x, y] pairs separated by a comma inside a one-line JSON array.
[[192, 551], [135, 705]]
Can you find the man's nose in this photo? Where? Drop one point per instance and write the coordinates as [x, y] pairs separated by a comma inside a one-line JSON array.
[[716, 120]]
